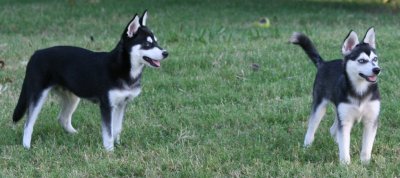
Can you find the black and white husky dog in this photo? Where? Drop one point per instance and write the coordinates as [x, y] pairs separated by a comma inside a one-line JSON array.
[[110, 79], [351, 85]]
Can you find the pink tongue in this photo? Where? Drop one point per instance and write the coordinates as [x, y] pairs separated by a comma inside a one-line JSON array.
[[157, 63], [372, 78]]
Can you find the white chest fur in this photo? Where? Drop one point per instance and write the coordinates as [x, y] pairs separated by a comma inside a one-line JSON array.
[[120, 96], [355, 111]]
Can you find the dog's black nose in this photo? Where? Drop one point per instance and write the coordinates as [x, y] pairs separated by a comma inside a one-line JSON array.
[[376, 70], [165, 54]]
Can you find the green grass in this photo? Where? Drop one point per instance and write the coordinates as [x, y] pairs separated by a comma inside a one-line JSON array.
[[206, 112]]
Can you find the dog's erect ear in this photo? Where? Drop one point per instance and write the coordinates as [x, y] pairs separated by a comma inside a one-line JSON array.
[[133, 26], [370, 37], [143, 19], [349, 43]]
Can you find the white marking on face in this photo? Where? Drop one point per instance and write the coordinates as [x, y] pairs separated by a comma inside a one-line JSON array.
[[353, 71], [369, 58], [364, 64], [155, 38], [136, 58], [153, 53], [149, 39]]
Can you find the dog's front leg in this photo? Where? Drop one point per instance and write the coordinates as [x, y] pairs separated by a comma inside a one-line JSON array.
[[117, 119], [345, 123], [370, 122], [343, 136], [368, 141], [344, 142], [107, 129]]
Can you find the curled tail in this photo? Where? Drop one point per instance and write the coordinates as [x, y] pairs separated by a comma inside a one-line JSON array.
[[308, 47], [22, 104]]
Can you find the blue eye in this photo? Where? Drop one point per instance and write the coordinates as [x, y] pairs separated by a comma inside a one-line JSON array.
[[362, 61], [375, 59]]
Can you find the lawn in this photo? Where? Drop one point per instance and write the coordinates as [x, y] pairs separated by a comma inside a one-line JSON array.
[[208, 111]]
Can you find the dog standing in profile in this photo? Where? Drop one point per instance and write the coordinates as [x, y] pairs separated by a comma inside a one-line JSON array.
[[351, 85], [110, 79]]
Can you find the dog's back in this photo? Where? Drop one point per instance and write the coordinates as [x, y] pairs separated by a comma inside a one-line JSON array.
[[73, 68], [329, 73], [78, 70]]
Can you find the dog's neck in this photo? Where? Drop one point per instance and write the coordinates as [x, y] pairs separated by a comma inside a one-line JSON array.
[[136, 69], [359, 88], [123, 66]]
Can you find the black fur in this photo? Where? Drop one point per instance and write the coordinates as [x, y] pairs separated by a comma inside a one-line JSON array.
[[86, 74], [309, 49], [352, 89], [331, 81]]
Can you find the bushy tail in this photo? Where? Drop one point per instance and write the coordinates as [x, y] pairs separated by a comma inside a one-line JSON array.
[[22, 104], [308, 47]]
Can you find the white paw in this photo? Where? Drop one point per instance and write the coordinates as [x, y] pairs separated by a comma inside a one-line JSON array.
[[67, 126], [26, 141], [345, 161], [308, 141], [108, 144], [71, 130], [117, 140], [365, 158], [109, 148], [27, 145]]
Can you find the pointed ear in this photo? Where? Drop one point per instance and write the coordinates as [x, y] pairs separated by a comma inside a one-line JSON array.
[[349, 43], [370, 37], [133, 27], [143, 19]]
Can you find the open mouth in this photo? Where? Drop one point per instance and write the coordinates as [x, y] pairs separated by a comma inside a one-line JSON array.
[[371, 79], [152, 62]]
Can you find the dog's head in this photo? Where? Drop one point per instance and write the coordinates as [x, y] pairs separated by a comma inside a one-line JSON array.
[[361, 60], [141, 43]]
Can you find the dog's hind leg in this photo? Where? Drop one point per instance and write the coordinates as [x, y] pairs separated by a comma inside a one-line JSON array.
[[319, 108], [334, 128], [35, 105], [68, 102]]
